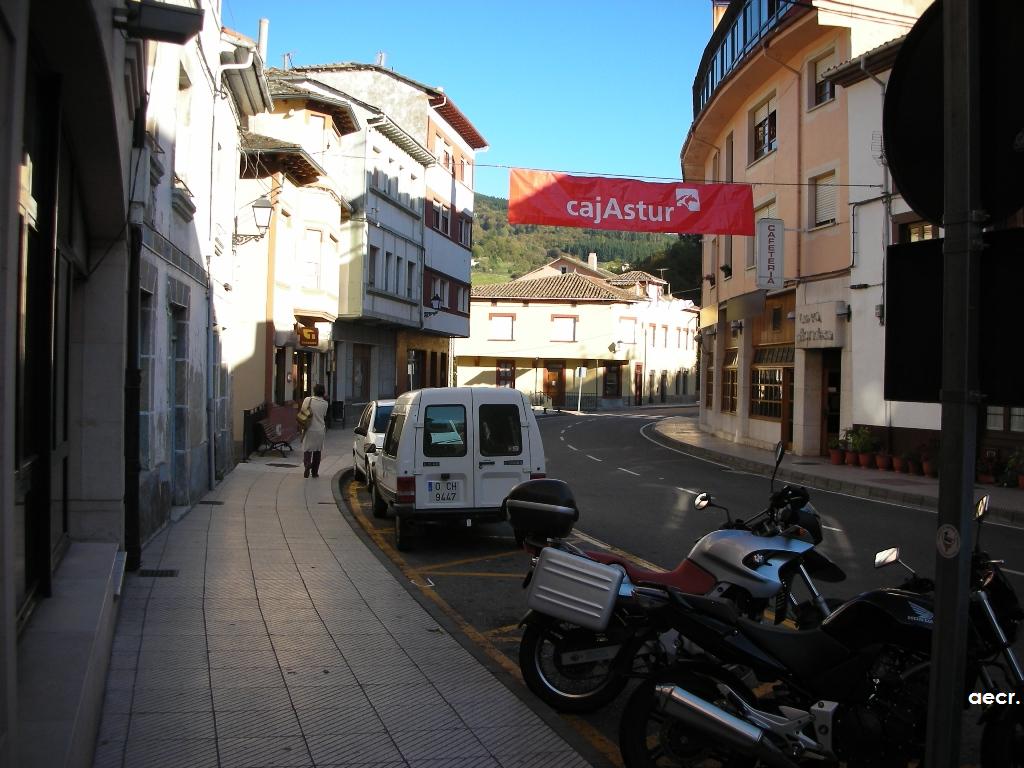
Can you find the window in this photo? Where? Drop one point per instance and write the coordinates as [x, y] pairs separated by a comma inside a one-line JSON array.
[[1000, 419], [399, 273], [466, 231], [466, 172], [730, 381], [679, 338], [443, 293], [389, 258], [913, 231], [763, 129], [765, 211], [823, 199], [505, 373], [501, 432], [444, 153], [821, 89], [311, 267], [502, 327], [709, 377], [444, 369], [380, 419], [410, 278], [463, 299], [563, 328], [442, 218], [444, 430], [613, 379], [627, 330], [371, 266], [766, 393], [393, 434], [664, 337], [652, 335]]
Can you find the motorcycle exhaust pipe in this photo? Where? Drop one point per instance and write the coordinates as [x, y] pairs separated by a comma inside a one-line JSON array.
[[716, 722]]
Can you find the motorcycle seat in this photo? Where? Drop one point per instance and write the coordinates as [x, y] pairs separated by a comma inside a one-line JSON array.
[[805, 652], [686, 577]]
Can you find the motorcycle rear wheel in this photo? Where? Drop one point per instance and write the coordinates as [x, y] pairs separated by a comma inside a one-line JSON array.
[[650, 738], [566, 687]]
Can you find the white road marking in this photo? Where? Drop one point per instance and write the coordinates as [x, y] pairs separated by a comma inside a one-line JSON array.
[[629, 471], [829, 528], [573, 447], [594, 458], [1010, 570]]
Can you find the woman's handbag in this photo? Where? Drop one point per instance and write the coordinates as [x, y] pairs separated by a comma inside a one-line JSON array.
[[304, 416]]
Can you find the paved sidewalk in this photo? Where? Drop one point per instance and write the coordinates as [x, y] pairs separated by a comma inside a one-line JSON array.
[[1007, 503], [282, 640]]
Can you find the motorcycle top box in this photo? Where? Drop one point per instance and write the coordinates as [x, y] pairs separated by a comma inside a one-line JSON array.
[[542, 508]]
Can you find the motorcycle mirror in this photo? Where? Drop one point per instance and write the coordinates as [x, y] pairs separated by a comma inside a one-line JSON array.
[[701, 501], [981, 507], [370, 448], [780, 451], [887, 557]]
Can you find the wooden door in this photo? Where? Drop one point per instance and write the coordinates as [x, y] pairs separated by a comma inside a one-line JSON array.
[[554, 382]]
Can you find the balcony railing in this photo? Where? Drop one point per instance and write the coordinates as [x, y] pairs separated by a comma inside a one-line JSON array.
[[741, 30]]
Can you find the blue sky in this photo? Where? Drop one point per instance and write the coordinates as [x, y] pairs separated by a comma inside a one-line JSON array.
[[569, 85]]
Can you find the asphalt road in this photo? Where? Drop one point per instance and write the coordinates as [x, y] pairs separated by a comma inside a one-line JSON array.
[[636, 495]]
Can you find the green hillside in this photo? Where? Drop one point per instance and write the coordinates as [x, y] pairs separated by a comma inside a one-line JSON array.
[[504, 251]]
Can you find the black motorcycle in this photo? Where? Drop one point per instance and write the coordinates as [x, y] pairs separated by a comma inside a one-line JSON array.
[[853, 690]]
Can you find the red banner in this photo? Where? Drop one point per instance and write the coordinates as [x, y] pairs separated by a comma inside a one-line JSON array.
[[593, 202]]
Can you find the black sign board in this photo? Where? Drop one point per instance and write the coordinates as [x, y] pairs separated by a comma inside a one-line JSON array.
[[914, 312]]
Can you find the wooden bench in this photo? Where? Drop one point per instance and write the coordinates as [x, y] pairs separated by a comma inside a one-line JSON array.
[[278, 429]]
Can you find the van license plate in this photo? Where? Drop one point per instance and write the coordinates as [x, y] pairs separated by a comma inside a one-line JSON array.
[[443, 490]]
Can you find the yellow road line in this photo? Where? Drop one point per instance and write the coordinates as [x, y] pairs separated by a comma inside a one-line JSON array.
[[451, 563], [483, 574], [605, 746]]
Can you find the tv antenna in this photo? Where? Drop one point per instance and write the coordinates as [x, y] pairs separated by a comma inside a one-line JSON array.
[[286, 59]]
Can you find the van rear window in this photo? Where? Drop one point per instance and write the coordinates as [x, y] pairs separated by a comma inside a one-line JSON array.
[[501, 432], [444, 430]]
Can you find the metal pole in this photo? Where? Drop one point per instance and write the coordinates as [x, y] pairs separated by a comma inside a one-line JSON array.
[[960, 396]]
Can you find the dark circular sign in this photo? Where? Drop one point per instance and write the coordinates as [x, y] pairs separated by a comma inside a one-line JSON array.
[[914, 114]]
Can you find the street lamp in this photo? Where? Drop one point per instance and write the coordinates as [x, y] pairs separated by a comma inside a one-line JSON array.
[[262, 209], [435, 302]]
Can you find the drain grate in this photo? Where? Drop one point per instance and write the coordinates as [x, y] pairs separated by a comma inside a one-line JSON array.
[[286, 466], [212, 503], [805, 463], [158, 573]]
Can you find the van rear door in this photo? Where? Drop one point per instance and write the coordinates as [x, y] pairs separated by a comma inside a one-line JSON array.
[[444, 479], [504, 449]]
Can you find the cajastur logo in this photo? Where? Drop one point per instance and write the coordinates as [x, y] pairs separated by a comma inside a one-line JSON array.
[[688, 199]]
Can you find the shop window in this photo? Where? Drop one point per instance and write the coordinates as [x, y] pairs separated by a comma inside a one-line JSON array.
[[612, 380], [766, 393], [730, 389]]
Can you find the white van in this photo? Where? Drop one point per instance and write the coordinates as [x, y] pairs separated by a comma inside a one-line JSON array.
[[453, 454]]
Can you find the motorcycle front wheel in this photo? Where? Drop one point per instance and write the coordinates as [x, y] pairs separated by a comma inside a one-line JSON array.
[[651, 738], [560, 665]]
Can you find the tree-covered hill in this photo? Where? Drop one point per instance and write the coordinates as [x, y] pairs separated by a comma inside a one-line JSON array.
[[503, 251]]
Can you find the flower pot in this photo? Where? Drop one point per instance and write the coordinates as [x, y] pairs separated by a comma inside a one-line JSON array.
[[883, 461], [1020, 481], [866, 459], [899, 464], [851, 458], [985, 479], [913, 467], [835, 455], [929, 468]]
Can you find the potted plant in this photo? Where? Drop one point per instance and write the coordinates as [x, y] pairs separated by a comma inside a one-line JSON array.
[[883, 459], [899, 462], [1013, 473], [835, 450], [928, 464], [851, 452], [913, 460], [987, 467], [864, 444]]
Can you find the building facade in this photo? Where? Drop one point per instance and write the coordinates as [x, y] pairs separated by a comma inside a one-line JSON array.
[[777, 359], [573, 340]]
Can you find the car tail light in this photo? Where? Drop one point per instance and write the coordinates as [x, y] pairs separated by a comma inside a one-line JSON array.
[[406, 491], [538, 475]]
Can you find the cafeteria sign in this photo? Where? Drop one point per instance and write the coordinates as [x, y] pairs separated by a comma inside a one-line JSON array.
[[309, 337], [769, 253]]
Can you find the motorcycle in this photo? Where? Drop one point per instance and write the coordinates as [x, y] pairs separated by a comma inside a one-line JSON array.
[[577, 661], [854, 689]]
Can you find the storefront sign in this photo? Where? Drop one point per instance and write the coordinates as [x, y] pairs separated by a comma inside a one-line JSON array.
[[769, 253], [593, 202], [821, 325], [309, 337]]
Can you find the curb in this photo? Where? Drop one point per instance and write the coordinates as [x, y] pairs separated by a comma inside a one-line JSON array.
[[795, 476]]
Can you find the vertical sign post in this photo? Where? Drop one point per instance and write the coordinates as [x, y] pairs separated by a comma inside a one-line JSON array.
[[770, 255]]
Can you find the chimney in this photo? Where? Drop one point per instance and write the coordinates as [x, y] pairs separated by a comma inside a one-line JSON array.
[[718, 9], [261, 41], [592, 260], [381, 58]]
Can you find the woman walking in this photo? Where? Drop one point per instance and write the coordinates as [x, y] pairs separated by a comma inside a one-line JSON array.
[[313, 437]]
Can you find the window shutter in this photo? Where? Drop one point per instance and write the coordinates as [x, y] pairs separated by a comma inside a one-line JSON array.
[[825, 199]]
